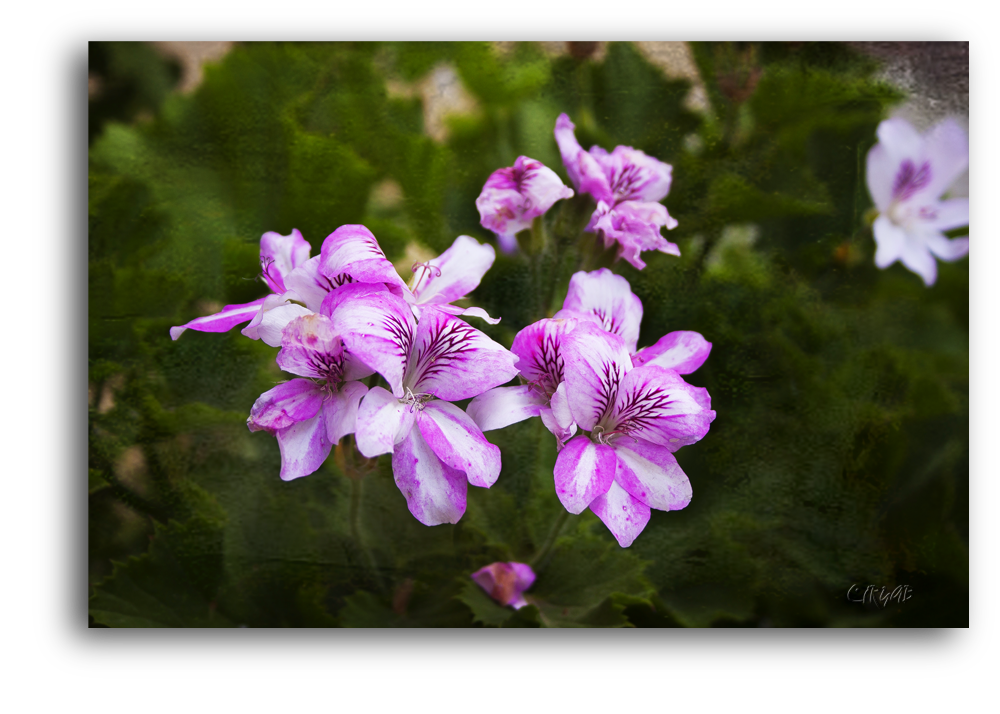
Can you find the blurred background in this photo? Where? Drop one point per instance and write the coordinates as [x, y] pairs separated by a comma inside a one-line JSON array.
[[839, 455]]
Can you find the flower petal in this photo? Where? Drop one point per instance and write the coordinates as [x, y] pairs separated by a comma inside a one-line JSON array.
[[538, 348], [917, 257], [953, 213], [280, 255], [890, 240], [454, 274], [947, 148], [946, 249], [503, 406], [274, 314], [309, 285], [584, 470], [458, 442], [514, 196], [608, 297], [558, 418], [435, 493], [880, 172], [311, 348], [682, 351], [382, 423], [460, 312], [584, 171], [285, 405], [340, 410], [650, 473], [901, 140], [453, 360], [633, 175], [595, 364], [636, 228], [351, 254], [376, 326], [505, 582], [226, 319], [657, 405], [304, 447], [623, 514]]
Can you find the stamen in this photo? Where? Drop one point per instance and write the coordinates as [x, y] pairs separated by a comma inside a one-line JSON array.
[[415, 401], [424, 269]]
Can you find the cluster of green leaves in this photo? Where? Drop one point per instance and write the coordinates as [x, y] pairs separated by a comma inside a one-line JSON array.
[[840, 450]]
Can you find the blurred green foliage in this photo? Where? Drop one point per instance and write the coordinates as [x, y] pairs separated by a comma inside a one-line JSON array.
[[840, 450]]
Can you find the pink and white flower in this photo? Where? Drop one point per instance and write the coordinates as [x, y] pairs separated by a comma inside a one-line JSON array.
[[628, 186], [907, 174], [506, 582], [449, 277], [514, 196]]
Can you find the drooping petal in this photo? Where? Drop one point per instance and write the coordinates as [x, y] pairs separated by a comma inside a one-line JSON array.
[[595, 364], [453, 274], [656, 404], [353, 251], [311, 348], [226, 319], [382, 422], [558, 418], [308, 284], [453, 360], [633, 175], [682, 351], [584, 470], [514, 196], [623, 514], [503, 406], [304, 447], [376, 326], [435, 492], [945, 215], [280, 255], [340, 410], [636, 228], [459, 312], [284, 405], [610, 299], [890, 240], [945, 248], [584, 171], [458, 442], [651, 474], [505, 582], [917, 257], [947, 148]]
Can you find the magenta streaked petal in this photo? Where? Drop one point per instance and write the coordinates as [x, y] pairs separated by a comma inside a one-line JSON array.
[[458, 442], [280, 255], [947, 249], [610, 299], [651, 474], [376, 326], [308, 284], [453, 274], [633, 175], [505, 582], [584, 470], [435, 493], [229, 317], [353, 251], [453, 360], [682, 351], [623, 514], [284, 405], [304, 447], [538, 348], [311, 348], [460, 312], [636, 228], [503, 406], [890, 240], [595, 364], [382, 423], [514, 196], [584, 171], [657, 405], [340, 410]]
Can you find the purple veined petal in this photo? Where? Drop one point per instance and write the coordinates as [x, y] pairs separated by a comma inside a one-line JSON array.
[[683, 351], [538, 348], [636, 228], [595, 364], [459, 312], [651, 474], [623, 514], [340, 410], [435, 492], [608, 297], [514, 196], [890, 240], [947, 249], [632, 175], [352, 250], [584, 171], [945, 215], [311, 286], [376, 326], [458, 442], [946, 147], [304, 447], [584, 471], [382, 423], [657, 405], [453, 274], [880, 172], [503, 406], [453, 360], [284, 405], [311, 348], [280, 255], [229, 317]]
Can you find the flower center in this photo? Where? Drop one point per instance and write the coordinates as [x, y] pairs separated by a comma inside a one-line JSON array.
[[415, 401]]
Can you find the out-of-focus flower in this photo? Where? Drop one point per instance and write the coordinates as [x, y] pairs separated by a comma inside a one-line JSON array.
[[506, 582], [628, 186], [436, 448], [309, 416], [907, 174], [450, 277], [514, 196]]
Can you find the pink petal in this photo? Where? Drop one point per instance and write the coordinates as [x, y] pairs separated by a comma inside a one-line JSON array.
[[285, 405], [584, 470], [275, 312], [340, 410], [229, 317], [880, 174], [953, 213], [280, 255], [558, 418], [382, 423], [435, 493], [682, 351], [538, 348], [584, 171], [308, 284], [454, 274], [351, 253], [460, 312], [656, 404], [947, 249], [304, 447], [595, 364], [505, 582], [947, 148], [503, 406], [901, 140], [609, 298], [623, 514], [311, 348], [890, 240], [633, 175], [650, 473], [917, 257], [458, 442]]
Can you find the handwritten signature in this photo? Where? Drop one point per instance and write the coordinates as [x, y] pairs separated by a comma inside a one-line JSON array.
[[879, 596]]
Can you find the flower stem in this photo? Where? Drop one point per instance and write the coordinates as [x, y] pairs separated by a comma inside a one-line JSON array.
[[539, 561]]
